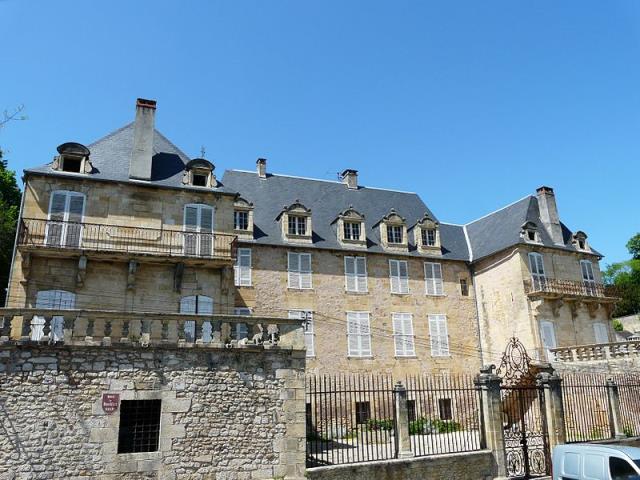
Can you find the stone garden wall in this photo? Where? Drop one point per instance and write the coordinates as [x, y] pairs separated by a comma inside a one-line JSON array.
[[224, 414]]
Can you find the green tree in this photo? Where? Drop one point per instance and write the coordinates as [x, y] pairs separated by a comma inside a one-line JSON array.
[[625, 278]]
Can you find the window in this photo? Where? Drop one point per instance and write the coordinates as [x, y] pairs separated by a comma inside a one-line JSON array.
[[355, 272], [428, 237], [307, 316], [297, 225], [588, 279], [71, 164], [464, 287], [600, 332], [139, 426], [438, 335], [531, 235], [582, 244], [363, 412], [299, 270], [620, 469], [351, 230], [241, 329], [403, 334], [399, 274], [538, 278], [195, 305], [52, 299], [548, 337], [411, 410], [394, 234], [64, 227], [444, 409], [433, 278], [242, 268], [241, 220], [358, 334], [198, 227], [199, 179]]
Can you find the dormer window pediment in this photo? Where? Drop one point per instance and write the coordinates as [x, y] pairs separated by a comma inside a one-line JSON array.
[[393, 231], [73, 158], [529, 232], [199, 173], [351, 228], [427, 234], [295, 221], [579, 240]]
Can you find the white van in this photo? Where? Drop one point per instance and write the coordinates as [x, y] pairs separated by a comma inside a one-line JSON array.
[[584, 461]]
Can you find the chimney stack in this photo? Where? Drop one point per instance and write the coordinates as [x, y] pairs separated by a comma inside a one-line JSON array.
[[350, 178], [143, 128], [262, 167], [549, 214]]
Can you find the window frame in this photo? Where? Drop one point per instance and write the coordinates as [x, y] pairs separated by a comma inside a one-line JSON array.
[[536, 263], [362, 333], [348, 226], [299, 273], [391, 236], [402, 335], [297, 221], [400, 279], [135, 428], [65, 223], [200, 246], [237, 223], [239, 270], [588, 280], [433, 285], [438, 341], [360, 281], [427, 241]]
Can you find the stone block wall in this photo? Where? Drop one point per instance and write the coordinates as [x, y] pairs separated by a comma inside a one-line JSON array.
[[224, 415], [329, 301]]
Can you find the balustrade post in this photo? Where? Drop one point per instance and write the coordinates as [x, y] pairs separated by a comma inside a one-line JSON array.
[[25, 334], [145, 332], [551, 385], [492, 432], [5, 328], [198, 332], [67, 329], [615, 418], [403, 439]]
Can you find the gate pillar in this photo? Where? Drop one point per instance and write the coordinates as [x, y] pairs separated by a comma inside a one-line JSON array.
[[492, 432], [615, 418], [551, 385]]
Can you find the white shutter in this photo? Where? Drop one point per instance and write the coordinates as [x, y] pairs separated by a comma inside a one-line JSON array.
[[57, 208], [365, 335], [536, 264], [76, 207], [403, 334], [404, 276], [361, 272], [191, 217], [394, 275], [293, 269], [548, 336], [188, 304], [359, 334], [205, 305], [305, 270], [600, 332], [353, 328], [242, 268], [439, 337], [433, 278], [351, 283]]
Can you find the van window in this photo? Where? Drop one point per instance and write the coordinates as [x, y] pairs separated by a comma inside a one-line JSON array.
[[593, 468], [571, 464], [620, 469]]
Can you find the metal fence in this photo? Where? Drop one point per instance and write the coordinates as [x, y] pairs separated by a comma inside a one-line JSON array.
[[352, 419], [629, 395], [586, 407]]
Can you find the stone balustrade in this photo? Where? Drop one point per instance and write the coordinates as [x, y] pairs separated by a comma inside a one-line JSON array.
[[107, 327], [599, 351], [560, 288]]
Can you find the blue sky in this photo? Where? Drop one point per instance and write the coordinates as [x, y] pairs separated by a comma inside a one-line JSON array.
[[471, 104]]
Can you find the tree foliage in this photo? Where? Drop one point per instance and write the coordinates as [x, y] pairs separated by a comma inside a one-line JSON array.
[[625, 277]]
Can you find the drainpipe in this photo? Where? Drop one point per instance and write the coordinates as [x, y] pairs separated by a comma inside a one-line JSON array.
[[475, 293]]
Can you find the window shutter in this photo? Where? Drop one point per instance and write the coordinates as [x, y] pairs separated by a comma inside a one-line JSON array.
[[444, 336], [352, 334], [394, 273], [439, 339], [587, 271], [58, 206], [365, 335], [76, 208], [437, 278], [188, 304], [205, 305], [361, 271], [191, 217], [305, 270], [350, 274], [601, 334], [206, 219]]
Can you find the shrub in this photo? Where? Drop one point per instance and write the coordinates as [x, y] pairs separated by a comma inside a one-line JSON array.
[[425, 426], [386, 424], [628, 431], [617, 325]]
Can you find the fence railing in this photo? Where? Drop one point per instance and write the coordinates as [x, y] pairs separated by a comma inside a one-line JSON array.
[[571, 288], [586, 407], [352, 419], [106, 328], [629, 397], [598, 351], [131, 240]]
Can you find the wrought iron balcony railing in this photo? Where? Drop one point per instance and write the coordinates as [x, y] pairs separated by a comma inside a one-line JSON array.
[[124, 239], [560, 288], [108, 327]]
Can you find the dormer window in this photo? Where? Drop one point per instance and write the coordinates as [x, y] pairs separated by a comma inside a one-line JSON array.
[[580, 241], [393, 231], [427, 234], [529, 233], [295, 220], [243, 218], [72, 158], [199, 173], [350, 228]]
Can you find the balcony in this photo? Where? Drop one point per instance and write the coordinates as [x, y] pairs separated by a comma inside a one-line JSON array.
[[594, 352], [71, 238], [104, 328], [568, 290]]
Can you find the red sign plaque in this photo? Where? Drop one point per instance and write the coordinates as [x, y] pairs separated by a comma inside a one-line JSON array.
[[110, 402]]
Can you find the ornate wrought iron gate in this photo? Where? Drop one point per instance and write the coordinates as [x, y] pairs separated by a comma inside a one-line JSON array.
[[525, 430]]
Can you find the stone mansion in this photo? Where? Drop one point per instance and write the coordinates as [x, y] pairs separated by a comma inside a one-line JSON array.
[[129, 223]]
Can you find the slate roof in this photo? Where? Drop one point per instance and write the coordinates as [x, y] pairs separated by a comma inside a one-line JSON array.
[[111, 155], [501, 229], [327, 199]]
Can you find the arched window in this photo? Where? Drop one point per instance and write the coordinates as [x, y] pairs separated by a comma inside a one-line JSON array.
[[52, 299], [197, 305]]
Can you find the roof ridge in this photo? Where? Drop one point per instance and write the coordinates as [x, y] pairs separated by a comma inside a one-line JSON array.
[[499, 209], [320, 180], [109, 135]]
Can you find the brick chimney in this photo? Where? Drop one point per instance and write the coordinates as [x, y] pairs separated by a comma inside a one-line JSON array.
[[261, 165], [143, 128], [350, 178], [549, 214]]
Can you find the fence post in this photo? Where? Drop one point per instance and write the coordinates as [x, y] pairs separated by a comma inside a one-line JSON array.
[[551, 385], [402, 421], [492, 432], [615, 420]]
